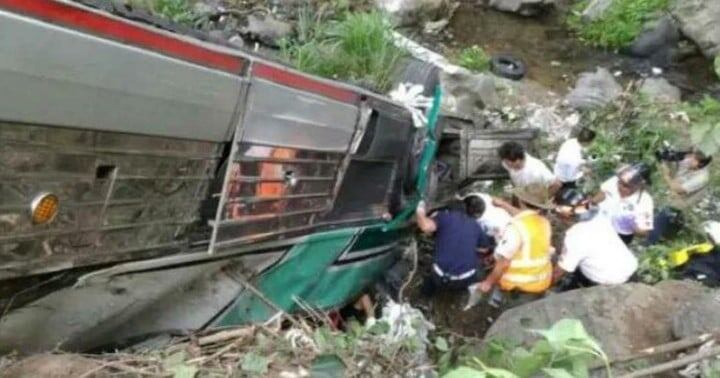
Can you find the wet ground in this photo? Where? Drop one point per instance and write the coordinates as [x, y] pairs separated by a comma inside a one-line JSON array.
[[553, 56]]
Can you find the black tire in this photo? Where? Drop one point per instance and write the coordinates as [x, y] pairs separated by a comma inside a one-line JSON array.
[[508, 66]]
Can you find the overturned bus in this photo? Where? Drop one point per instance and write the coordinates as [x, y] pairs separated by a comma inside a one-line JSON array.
[[151, 182]]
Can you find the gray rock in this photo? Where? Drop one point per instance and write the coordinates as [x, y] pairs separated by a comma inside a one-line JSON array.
[[699, 316], [266, 29], [467, 93], [700, 21], [623, 318], [593, 90], [410, 12], [522, 7], [663, 34], [660, 90], [595, 10]]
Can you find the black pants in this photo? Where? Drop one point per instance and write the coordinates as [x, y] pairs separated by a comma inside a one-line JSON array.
[[570, 185], [627, 239], [579, 280], [667, 223], [434, 282]]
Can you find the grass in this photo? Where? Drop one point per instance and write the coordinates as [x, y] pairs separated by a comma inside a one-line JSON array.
[[474, 59], [358, 48], [180, 11], [619, 25]]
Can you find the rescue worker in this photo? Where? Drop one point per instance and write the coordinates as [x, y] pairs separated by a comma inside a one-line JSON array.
[[523, 268], [458, 238], [592, 251], [570, 164], [526, 170], [624, 200]]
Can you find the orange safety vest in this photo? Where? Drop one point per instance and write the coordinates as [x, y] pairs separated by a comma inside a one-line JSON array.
[[530, 270]]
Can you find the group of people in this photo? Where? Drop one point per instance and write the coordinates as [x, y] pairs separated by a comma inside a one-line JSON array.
[[503, 250]]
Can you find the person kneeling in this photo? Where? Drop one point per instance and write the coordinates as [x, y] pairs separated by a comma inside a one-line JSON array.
[[592, 251]]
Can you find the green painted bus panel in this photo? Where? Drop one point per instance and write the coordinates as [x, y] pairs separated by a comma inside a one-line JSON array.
[[293, 277]]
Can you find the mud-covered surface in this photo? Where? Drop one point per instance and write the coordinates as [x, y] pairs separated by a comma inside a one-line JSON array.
[[445, 308], [554, 57]]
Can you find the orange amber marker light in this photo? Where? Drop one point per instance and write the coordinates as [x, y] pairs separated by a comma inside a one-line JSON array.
[[44, 208]]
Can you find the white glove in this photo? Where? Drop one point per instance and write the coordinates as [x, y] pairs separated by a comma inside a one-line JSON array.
[[421, 208], [475, 296]]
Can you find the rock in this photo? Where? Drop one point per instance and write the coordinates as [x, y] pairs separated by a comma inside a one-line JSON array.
[[595, 10], [556, 125], [660, 90], [658, 38], [698, 316], [266, 29], [468, 93], [52, 366], [522, 7], [623, 318], [594, 90], [700, 21], [410, 12]]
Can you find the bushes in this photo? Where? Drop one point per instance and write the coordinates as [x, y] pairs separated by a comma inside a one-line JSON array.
[[620, 23], [358, 48], [474, 58], [179, 11]]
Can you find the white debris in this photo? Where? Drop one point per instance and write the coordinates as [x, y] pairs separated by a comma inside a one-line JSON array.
[[411, 96], [657, 71]]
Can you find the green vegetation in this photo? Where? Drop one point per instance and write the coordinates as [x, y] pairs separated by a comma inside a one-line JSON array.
[[359, 48], [632, 130], [474, 58], [619, 25], [180, 11], [565, 350], [717, 65]]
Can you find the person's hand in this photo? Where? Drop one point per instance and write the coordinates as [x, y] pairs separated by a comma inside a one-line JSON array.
[[485, 286], [499, 202]]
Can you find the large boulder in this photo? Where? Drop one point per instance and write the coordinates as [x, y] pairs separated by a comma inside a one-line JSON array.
[[698, 316], [660, 90], [522, 7], [700, 21], [593, 90], [267, 29], [657, 40], [409, 12], [468, 93], [623, 318]]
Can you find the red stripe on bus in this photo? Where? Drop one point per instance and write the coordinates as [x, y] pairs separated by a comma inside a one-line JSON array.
[[104, 26], [293, 80]]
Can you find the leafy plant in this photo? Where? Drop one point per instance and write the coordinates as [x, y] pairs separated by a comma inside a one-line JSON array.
[[705, 120], [619, 24], [717, 65], [180, 11], [566, 350], [358, 48], [474, 58]]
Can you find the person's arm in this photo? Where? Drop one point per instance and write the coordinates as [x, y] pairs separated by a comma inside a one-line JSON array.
[[512, 210], [426, 224], [367, 306], [673, 184], [501, 266]]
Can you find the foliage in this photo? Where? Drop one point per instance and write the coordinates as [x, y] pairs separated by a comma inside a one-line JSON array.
[[359, 47], [705, 119], [566, 350], [474, 58], [619, 24], [717, 65], [180, 11]]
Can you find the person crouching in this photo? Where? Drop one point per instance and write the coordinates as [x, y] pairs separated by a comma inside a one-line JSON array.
[[458, 237], [592, 252]]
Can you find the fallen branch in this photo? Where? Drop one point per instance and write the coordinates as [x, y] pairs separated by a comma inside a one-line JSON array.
[[226, 335], [674, 346], [672, 365]]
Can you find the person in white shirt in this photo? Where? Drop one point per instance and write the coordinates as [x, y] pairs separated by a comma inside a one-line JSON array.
[[526, 170], [592, 251], [494, 219], [570, 164], [624, 200]]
